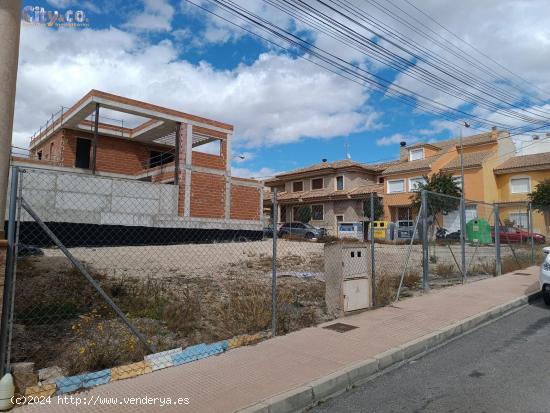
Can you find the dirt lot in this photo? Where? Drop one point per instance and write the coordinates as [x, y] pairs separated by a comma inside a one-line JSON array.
[[186, 294], [199, 260]]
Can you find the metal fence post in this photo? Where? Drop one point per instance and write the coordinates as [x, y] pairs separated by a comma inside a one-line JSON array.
[[463, 239], [498, 262], [530, 229], [425, 250], [372, 257], [9, 273], [275, 213]]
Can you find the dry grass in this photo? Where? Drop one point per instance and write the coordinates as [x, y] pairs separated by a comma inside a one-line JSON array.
[[62, 320], [387, 285], [445, 270]]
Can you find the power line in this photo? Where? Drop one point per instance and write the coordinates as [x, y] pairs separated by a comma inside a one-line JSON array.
[[425, 76], [350, 69], [475, 48]]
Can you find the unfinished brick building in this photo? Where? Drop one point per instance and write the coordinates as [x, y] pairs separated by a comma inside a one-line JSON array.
[[150, 145]]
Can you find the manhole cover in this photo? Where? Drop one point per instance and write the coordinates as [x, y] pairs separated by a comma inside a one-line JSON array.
[[340, 327], [522, 273]]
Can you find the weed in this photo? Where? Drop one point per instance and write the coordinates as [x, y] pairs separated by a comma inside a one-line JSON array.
[[445, 270]]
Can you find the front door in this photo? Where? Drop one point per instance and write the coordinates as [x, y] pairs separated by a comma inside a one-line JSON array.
[[83, 147]]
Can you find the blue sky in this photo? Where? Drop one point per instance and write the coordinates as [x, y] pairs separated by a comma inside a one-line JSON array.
[[288, 113]]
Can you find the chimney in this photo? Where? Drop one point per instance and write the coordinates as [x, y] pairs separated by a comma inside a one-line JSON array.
[[494, 133], [403, 151]]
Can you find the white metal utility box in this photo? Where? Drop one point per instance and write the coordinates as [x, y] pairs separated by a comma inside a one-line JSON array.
[[348, 283]]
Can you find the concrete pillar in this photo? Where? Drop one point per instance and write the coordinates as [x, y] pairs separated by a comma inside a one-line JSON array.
[[188, 170], [10, 25], [182, 152], [184, 161], [3, 251], [228, 159]]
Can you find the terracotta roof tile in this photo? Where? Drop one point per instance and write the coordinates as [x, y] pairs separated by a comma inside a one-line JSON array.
[[525, 162], [410, 166], [471, 160], [329, 193]]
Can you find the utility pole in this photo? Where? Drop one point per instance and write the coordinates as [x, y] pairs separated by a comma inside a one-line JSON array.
[[462, 207], [10, 27]]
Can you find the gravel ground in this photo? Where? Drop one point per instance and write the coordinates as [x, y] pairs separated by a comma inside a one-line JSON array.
[[239, 258]]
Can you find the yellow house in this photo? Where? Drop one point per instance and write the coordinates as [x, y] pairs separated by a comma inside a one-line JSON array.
[[515, 179], [482, 153]]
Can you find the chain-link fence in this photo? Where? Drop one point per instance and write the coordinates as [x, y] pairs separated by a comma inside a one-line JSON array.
[[470, 240], [111, 278], [110, 272]]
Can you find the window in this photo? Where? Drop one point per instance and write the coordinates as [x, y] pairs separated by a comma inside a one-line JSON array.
[[414, 183], [397, 185], [380, 179], [416, 154], [157, 158], [317, 212], [520, 219], [212, 146], [317, 183], [339, 183], [297, 186], [458, 181], [520, 185]]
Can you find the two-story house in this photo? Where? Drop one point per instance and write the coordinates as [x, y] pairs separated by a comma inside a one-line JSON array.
[[515, 179], [333, 191], [482, 153]]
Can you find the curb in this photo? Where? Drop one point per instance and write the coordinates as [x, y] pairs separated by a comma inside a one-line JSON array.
[[334, 384]]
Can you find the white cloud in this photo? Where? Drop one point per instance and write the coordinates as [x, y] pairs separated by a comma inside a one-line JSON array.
[[156, 16], [276, 99], [395, 139], [84, 4], [262, 173]]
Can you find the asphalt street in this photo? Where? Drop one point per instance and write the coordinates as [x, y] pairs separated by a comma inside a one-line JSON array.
[[501, 367]]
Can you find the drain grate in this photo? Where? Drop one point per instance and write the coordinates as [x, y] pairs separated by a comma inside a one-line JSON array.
[[521, 273], [340, 327]]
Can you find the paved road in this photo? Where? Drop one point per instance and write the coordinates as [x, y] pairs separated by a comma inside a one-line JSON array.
[[504, 367]]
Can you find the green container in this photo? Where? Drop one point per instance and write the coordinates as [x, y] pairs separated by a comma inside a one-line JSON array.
[[478, 231]]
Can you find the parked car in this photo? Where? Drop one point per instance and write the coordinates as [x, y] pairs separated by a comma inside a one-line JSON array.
[[544, 277], [300, 229], [268, 232], [510, 235]]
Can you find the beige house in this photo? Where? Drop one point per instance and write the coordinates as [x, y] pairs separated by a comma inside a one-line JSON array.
[[332, 191]]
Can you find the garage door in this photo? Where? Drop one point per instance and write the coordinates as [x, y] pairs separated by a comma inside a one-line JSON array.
[[451, 221]]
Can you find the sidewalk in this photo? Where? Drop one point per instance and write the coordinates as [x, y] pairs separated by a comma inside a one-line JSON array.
[[246, 376]]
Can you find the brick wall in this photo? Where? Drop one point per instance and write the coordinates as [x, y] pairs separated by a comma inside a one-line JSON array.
[[207, 195], [245, 202], [51, 153], [113, 154]]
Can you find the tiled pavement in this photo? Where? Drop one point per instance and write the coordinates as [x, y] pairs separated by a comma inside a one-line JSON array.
[[246, 375]]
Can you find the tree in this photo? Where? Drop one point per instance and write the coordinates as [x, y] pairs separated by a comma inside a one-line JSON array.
[[540, 200], [378, 208], [440, 183], [303, 214]]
